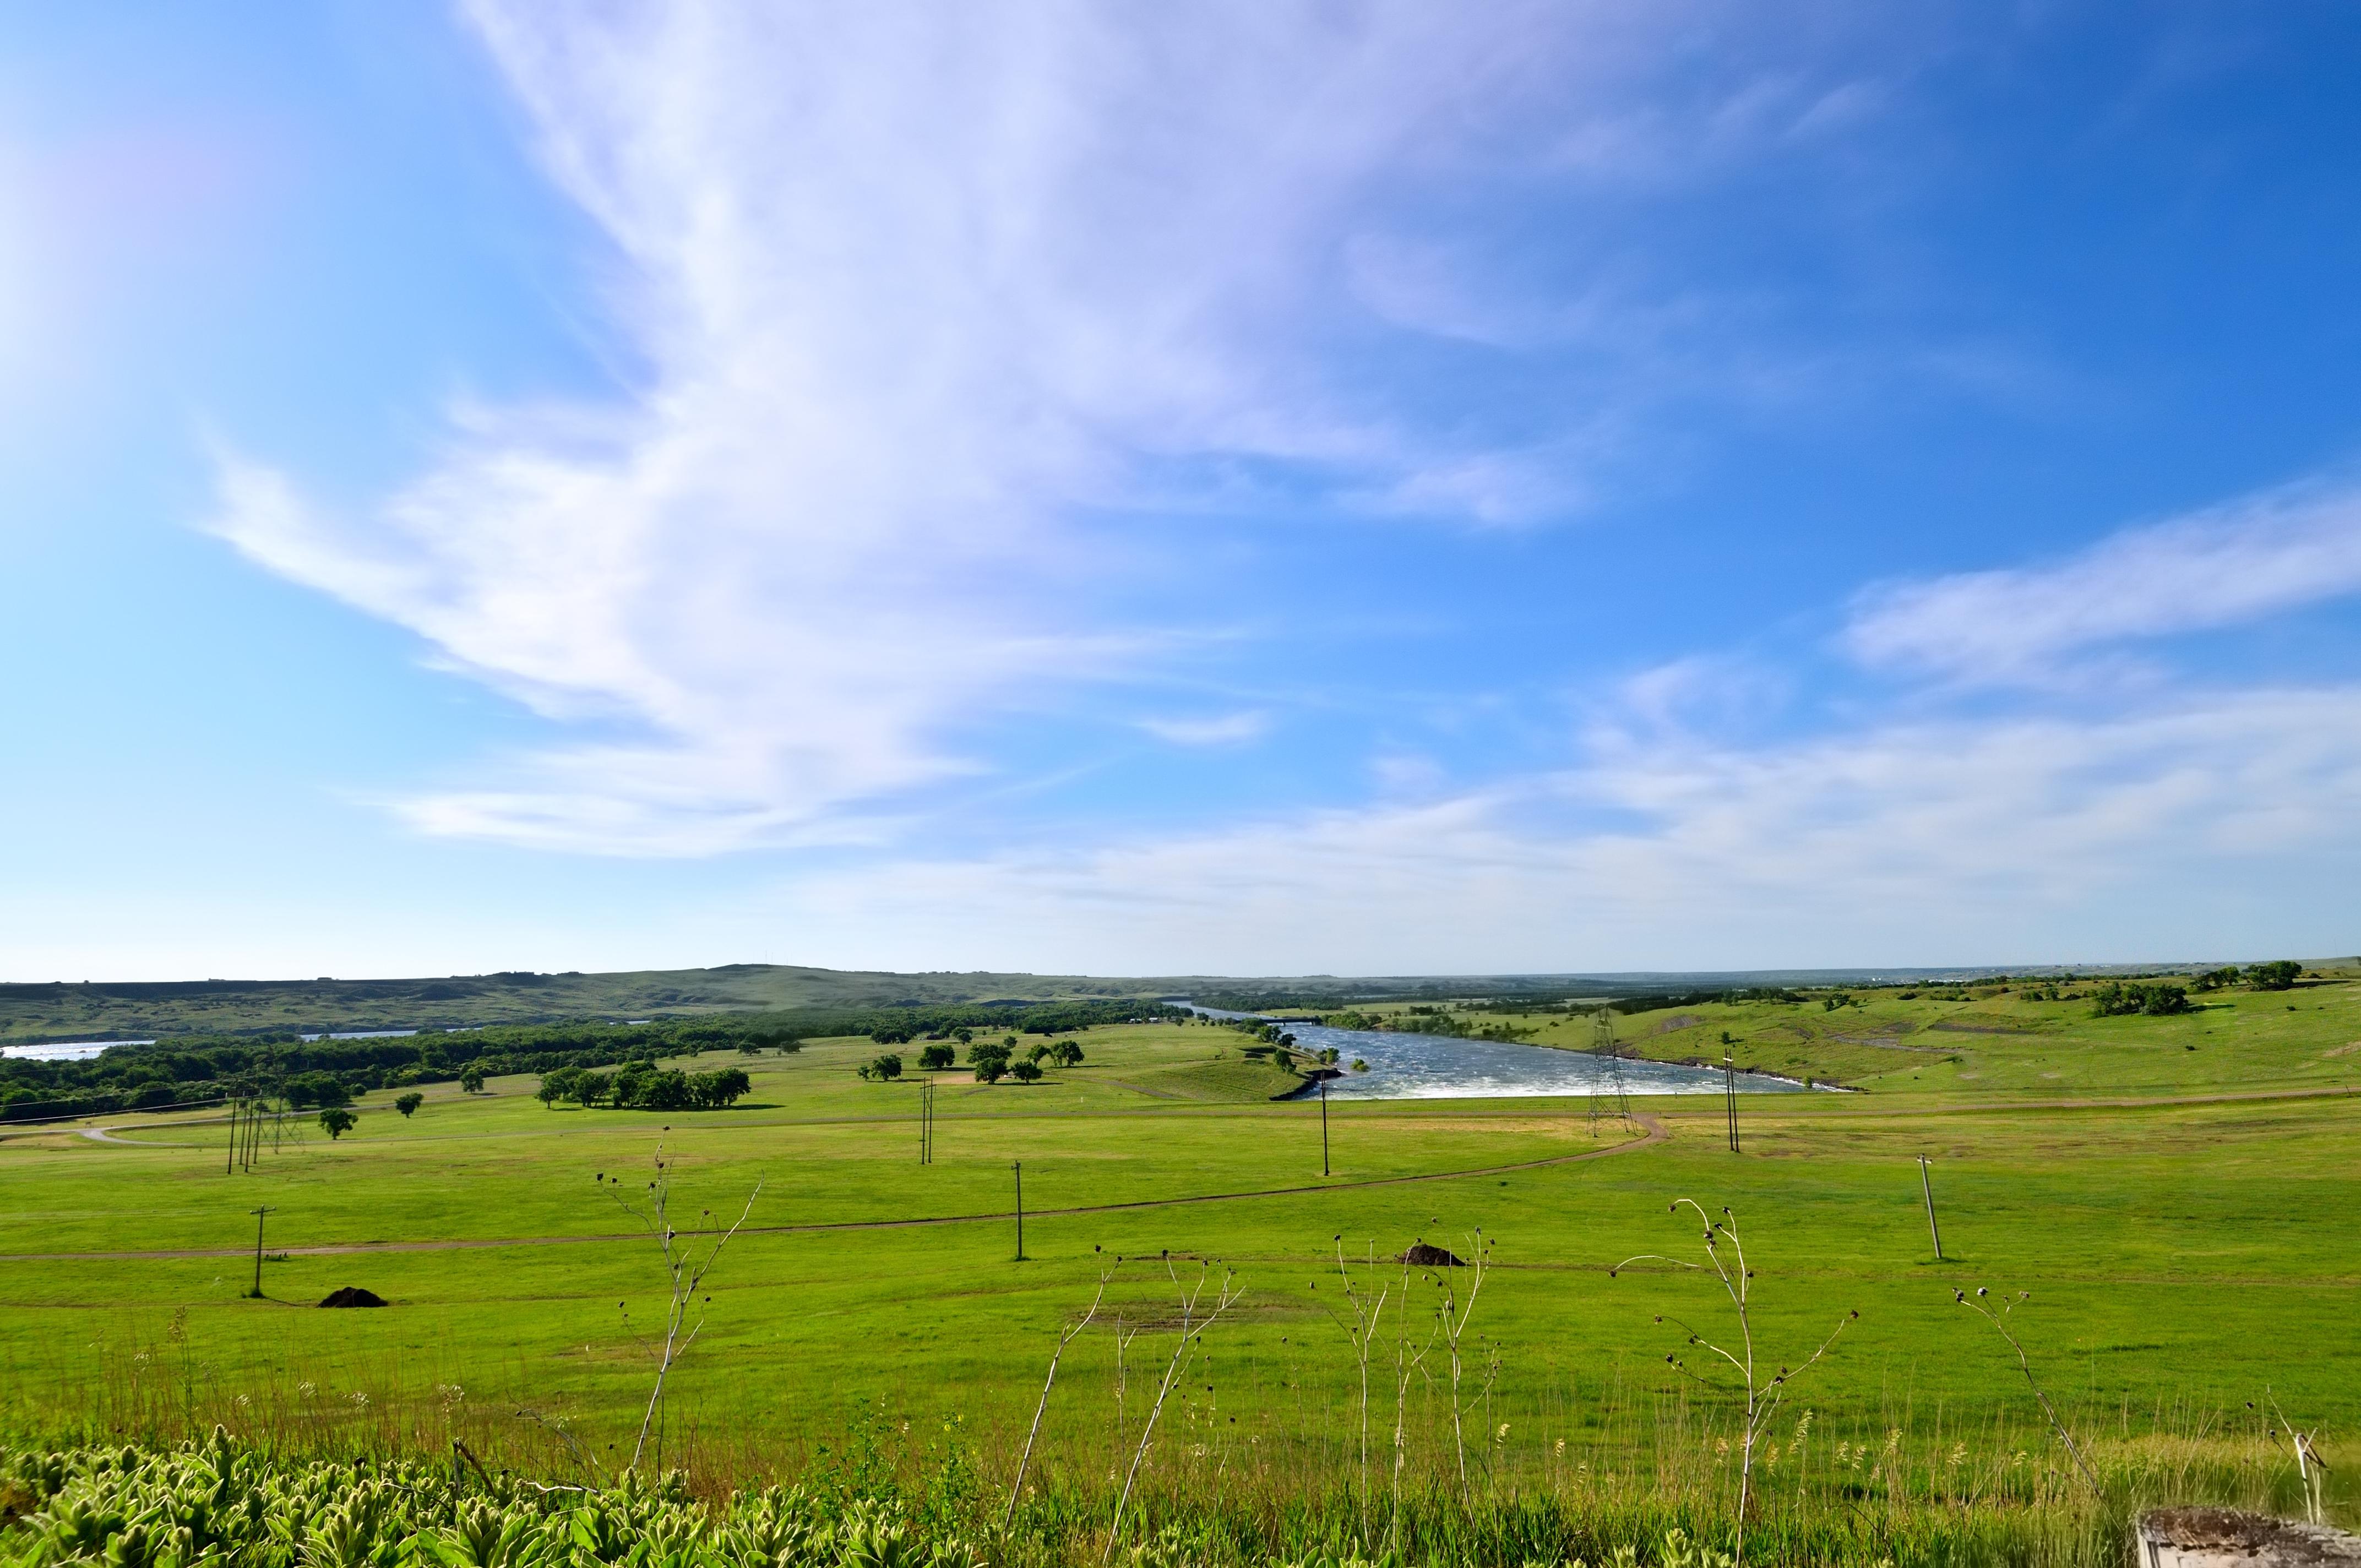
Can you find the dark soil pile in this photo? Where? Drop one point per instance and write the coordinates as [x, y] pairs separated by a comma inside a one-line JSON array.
[[1425, 1254], [353, 1296]]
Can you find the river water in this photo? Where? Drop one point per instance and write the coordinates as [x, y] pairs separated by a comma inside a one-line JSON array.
[[66, 1050], [1432, 1066]]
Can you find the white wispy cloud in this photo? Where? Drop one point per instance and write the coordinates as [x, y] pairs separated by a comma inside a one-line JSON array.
[[1220, 730], [2219, 567], [2201, 828], [923, 312]]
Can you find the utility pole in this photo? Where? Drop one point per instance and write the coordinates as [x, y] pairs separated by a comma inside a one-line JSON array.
[[256, 1294], [926, 1120], [1018, 1166], [230, 1163], [1729, 1098], [1927, 1188], [1323, 1126]]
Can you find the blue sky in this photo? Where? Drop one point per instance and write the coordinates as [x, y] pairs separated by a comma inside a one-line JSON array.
[[1250, 489]]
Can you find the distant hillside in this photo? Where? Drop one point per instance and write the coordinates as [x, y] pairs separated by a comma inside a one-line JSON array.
[[145, 1009], [136, 1009]]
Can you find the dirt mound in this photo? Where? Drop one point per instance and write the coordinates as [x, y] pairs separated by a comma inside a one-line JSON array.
[[1425, 1254], [353, 1296]]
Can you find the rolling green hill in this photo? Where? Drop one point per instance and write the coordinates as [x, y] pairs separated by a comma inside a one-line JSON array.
[[116, 1010]]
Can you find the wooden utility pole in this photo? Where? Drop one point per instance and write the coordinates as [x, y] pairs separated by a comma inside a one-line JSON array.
[[1323, 1126], [230, 1164], [926, 1120], [1729, 1098], [1927, 1188], [1019, 1168], [256, 1294]]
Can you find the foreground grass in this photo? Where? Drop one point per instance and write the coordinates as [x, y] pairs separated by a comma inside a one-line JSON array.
[[866, 1504], [2183, 1258]]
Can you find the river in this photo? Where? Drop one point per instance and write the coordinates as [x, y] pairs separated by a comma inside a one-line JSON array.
[[1433, 1067]]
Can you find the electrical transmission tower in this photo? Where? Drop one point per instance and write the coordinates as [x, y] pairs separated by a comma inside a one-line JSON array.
[[1602, 1042]]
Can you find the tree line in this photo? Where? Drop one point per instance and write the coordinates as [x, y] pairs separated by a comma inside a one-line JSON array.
[[200, 1067]]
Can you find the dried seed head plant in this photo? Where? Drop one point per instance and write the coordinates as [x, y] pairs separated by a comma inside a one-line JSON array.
[[1980, 1304], [1363, 1311], [2309, 1468], [1762, 1394], [684, 1272], [1107, 1269], [1452, 1315], [1196, 1317]]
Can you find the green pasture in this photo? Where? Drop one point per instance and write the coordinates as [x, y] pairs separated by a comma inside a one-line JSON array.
[[1997, 1044], [2187, 1242]]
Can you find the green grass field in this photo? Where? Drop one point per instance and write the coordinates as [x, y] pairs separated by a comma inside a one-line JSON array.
[[2181, 1216]]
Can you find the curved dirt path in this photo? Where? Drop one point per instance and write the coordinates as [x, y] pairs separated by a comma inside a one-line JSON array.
[[1652, 1132], [107, 1136]]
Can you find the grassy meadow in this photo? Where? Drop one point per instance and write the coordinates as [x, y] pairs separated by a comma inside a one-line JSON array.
[[2176, 1194]]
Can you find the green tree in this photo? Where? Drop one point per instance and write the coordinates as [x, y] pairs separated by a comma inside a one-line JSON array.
[[472, 1079], [935, 1057], [409, 1104], [990, 1062], [718, 1091], [306, 1090], [338, 1120], [667, 1090], [1027, 1071], [1065, 1053], [2280, 974], [2115, 1000], [882, 1070]]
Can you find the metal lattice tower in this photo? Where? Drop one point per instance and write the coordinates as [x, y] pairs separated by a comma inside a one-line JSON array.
[[1602, 1042]]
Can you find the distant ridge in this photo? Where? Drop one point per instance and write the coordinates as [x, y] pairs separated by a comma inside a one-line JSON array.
[[39, 1012]]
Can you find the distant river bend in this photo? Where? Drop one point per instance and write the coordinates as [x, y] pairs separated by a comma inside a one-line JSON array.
[[1435, 1067]]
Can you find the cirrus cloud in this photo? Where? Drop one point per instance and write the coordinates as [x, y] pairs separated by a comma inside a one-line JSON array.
[[929, 313], [2218, 567]]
